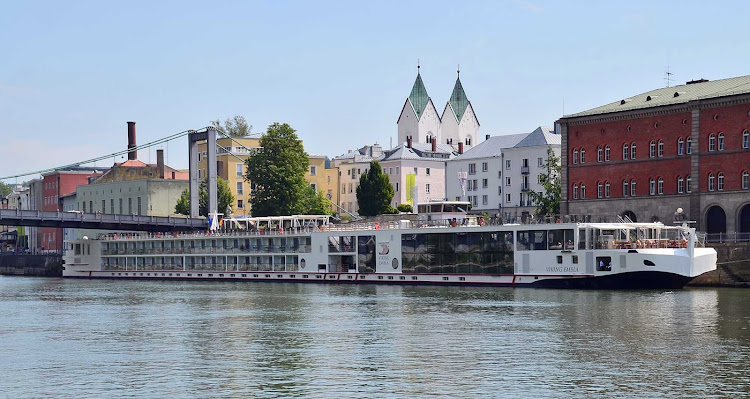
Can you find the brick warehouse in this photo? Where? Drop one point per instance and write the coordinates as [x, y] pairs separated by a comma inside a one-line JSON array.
[[647, 155]]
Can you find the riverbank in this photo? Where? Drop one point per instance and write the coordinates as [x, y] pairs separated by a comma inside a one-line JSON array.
[[31, 265]]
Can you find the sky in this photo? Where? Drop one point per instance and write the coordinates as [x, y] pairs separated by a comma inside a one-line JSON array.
[[73, 73]]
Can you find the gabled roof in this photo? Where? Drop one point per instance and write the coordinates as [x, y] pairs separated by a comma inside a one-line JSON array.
[[421, 151], [543, 135], [418, 97], [493, 146], [458, 100], [691, 91]]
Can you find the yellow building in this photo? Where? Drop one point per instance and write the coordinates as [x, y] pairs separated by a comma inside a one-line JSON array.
[[230, 160], [324, 178]]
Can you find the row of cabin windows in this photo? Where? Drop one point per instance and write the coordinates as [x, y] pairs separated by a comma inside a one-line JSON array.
[[656, 148], [656, 186]]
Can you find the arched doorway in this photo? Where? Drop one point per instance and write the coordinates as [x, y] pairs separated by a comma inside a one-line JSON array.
[[716, 220], [744, 222], [629, 215]]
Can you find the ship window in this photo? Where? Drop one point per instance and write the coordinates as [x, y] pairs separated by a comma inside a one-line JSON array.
[[380, 277], [402, 277], [603, 263], [574, 258], [445, 278], [462, 278], [648, 263], [559, 259], [413, 277], [532, 240]]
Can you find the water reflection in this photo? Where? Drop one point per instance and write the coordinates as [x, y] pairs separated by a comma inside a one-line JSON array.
[[215, 339]]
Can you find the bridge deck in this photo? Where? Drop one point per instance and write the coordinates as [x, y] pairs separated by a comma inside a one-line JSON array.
[[73, 220]]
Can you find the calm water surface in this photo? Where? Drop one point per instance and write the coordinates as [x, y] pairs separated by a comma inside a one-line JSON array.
[[91, 338]]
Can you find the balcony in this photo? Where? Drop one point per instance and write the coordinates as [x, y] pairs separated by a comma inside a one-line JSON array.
[[524, 170], [525, 187]]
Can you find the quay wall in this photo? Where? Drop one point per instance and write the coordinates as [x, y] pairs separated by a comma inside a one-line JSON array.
[[31, 265], [732, 267]]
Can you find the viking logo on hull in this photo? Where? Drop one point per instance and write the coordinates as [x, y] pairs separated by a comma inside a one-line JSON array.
[[383, 249]]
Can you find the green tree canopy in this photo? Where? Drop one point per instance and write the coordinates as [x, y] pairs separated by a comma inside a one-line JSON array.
[[224, 196], [235, 126], [548, 202], [375, 192], [277, 170], [5, 189]]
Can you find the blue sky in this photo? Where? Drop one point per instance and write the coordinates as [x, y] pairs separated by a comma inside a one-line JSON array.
[[74, 72]]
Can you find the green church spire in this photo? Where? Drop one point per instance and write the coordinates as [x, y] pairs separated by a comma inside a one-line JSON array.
[[458, 100], [418, 96]]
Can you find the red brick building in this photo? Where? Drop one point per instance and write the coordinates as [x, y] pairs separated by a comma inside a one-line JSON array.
[[55, 185], [647, 155]]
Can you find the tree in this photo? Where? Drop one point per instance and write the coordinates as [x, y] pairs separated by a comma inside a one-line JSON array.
[[277, 169], [5, 189], [224, 195], [548, 201], [375, 192], [235, 126]]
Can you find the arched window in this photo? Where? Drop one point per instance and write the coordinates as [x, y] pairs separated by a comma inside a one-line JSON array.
[[583, 155], [661, 148], [632, 188], [711, 180], [680, 184], [680, 146], [625, 148], [721, 141], [661, 186], [599, 187], [688, 180], [652, 149], [583, 191], [689, 145], [599, 154], [625, 189], [711, 142], [745, 139], [606, 189], [652, 186], [745, 180], [632, 150], [606, 153], [575, 156], [720, 183], [575, 190]]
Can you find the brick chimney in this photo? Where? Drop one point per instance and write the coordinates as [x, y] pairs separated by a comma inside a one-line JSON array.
[[434, 145], [408, 142], [132, 152], [160, 163], [460, 147]]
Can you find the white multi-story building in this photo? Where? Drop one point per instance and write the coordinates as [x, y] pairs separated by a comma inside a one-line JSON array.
[[351, 167], [417, 171], [501, 171]]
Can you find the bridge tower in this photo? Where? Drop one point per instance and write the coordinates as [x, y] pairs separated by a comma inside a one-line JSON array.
[[209, 135]]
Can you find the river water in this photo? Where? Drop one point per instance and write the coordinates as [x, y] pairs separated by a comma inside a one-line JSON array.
[[122, 339]]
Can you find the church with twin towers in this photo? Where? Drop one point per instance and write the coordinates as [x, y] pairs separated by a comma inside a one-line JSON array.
[[420, 122]]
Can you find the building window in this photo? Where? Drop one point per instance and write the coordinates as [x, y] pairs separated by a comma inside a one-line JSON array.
[[575, 191], [583, 155], [427, 188], [680, 185], [711, 180], [351, 188], [632, 188], [397, 169], [745, 179], [112, 205], [632, 150], [427, 171], [599, 154], [539, 179], [507, 181], [499, 190], [396, 186], [625, 148], [606, 153], [606, 189], [652, 149], [485, 166], [343, 188], [240, 204], [239, 170], [688, 179], [472, 168], [660, 152], [721, 141], [599, 190], [240, 188], [720, 182], [507, 197], [507, 164], [313, 170], [575, 156], [745, 139], [484, 200], [139, 206], [540, 162], [499, 174], [711, 142], [200, 173], [680, 146], [314, 186], [652, 186], [390, 171], [484, 183], [625, 189], [583, 191], [661, 186], [689, 145]]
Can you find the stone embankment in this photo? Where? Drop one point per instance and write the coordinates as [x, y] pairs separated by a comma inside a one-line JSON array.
[[732, 267], [31, 265]]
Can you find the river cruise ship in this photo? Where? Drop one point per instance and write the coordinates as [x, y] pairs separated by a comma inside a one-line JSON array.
[[430, 250]]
